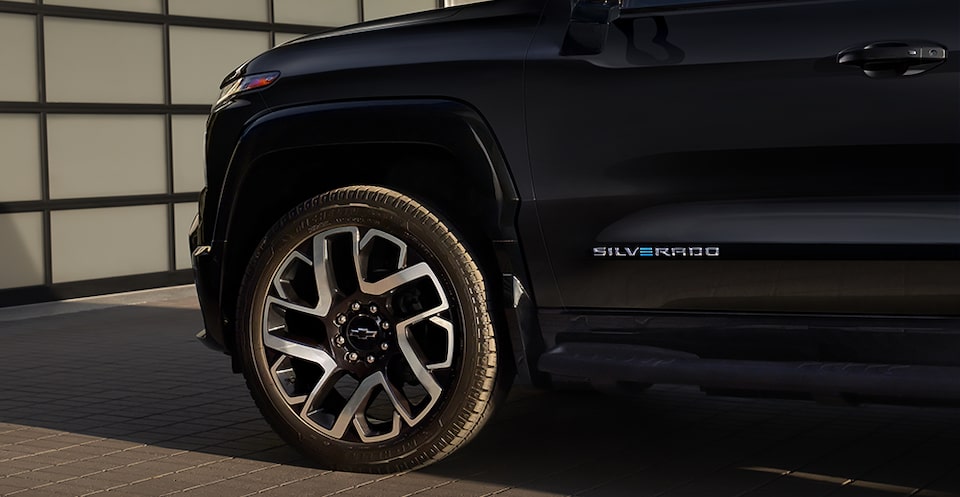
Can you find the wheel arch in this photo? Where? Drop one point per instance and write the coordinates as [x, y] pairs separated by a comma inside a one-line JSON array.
[[439, 151]]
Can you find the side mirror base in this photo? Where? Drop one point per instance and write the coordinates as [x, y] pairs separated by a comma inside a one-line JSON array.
[[589, 24]]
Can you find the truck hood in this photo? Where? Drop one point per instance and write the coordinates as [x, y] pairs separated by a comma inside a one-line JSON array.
[[425, 17]]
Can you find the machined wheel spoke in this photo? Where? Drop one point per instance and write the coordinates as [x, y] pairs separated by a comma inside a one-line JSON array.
[[448, 329], [370, 237], [400, 278], [285, 376], [320, 391], [417, 365], [283, 284], [292, 306], [323, 266], [368, 435], [357, 404], [289, 347]]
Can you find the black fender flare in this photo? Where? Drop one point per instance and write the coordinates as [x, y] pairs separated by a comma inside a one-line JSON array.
[[449, 124]]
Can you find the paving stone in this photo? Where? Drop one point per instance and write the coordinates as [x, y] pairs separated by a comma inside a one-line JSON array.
[[166, 484], [40, 492], [12, 484], [266, 478]]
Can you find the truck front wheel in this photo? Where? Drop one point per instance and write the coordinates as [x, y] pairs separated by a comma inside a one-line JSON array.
[[365, 333]]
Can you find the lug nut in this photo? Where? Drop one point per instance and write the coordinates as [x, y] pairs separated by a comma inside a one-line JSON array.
[[384, 346], [355, 306], [385, 325], [341, 319], [373, 308], [352, 356], [371, 359], [339, 341]]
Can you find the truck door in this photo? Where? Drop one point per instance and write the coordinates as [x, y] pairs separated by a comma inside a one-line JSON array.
[[743, 155]]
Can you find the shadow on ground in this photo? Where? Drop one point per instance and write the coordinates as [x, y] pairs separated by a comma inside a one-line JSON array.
[[132, 373], [137, 374]]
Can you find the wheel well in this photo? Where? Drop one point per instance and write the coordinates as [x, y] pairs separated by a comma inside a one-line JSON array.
[[280, 181]]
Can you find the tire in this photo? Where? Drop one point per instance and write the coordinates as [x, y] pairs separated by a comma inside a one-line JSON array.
[[381, 357]]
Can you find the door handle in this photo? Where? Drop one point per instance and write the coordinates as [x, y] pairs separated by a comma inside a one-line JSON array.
[[884, 59]]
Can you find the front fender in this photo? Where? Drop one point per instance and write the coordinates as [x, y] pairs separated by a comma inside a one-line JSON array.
[[451, 125]]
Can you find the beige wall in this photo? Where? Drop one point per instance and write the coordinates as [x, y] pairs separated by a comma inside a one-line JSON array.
[[101, 136]]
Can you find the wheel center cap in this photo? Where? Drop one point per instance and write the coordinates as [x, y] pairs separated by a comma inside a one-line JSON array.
[[363, 332]]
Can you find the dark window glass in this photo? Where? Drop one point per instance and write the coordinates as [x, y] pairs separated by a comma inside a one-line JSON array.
[[645, 4]]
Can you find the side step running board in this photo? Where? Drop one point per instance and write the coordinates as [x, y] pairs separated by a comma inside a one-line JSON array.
[[617, 362]]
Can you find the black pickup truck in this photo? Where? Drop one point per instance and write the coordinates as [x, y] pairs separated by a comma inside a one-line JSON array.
[[751, 196]]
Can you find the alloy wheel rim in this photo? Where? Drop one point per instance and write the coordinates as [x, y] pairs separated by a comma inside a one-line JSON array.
[[358, 334]]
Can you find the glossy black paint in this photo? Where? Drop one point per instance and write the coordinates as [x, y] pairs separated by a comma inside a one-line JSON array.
[[831, 193], [732, 123]]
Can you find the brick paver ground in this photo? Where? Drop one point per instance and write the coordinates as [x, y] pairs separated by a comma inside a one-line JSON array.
[[123, 401]]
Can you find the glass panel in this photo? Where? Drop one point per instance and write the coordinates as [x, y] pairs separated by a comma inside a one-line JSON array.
[[18, 34], [201, 57], [21, 243], [183, 217], [325, 13], [249, 10], [99, 155], [87, 62], [640, 4], [150, 6], [20, 156], [282, 38], [378, 9], [102, 243], [188, 153]]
